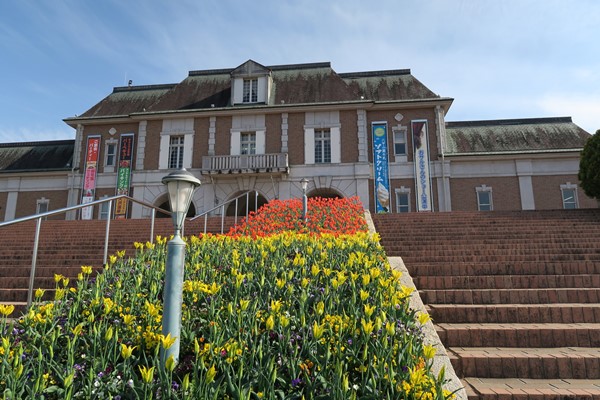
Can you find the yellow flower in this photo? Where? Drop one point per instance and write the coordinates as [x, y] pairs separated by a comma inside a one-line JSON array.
[[58, 277], [244, 304], [6, 309], [170, 363], [369, 310], [429, 351], [86, 269], [127, 351], [210, 374], [390, 328], [284, 321], [367, 326], [280, 283], [366, 279], [167, 341], [270, 323], [424, 318], [128, 319], [314, 270], [108, 334], [275, 305], [77, 330], [39, 293], [320, 308], [147, 373], [364, 294], [318, 330]]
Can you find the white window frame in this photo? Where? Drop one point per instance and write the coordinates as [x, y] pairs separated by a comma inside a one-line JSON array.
[[250, 90], [176, 151], [110, 167], [248, 142], [103, 210], [323, 146], [488, 190], [402, 191], [42, 205], [400, 157], [575, 198], [176, 127]]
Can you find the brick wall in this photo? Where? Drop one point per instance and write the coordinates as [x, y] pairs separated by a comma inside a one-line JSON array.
[[547, 194], [223, 136], [153, 129], [27, 202], [273, 133], [102, 130], [408, 116], [505, 193], [349, 136], [201, 135], [296, 138]]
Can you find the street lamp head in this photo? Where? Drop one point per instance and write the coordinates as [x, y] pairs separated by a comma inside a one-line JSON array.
[[180, 185], [304, 184]]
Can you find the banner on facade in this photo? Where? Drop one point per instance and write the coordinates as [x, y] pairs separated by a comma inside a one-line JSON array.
[[381, 167], [124, 174], [421, 161], [89, 177]]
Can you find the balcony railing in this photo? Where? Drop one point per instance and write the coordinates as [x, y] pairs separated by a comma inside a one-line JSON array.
[[245, 164]]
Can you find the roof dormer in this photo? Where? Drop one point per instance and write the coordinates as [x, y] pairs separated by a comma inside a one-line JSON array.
[[250, 84]]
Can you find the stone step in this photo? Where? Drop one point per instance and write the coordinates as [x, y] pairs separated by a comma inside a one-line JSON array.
[[515, 313], [508, 281], [525, 389], [511, 296], [519, 335], [526, 363], [514, 268]]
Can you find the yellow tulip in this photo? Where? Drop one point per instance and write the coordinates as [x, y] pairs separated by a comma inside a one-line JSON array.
[[147, 373]]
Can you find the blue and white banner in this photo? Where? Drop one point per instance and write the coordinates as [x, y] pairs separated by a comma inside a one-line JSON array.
[[381, 171], [421, 161]]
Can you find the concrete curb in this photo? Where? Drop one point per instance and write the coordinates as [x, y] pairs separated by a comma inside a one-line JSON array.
[[441, 358]]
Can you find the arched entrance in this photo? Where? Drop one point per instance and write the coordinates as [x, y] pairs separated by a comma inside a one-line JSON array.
[[166, 206], [325, 193], [241, 204]]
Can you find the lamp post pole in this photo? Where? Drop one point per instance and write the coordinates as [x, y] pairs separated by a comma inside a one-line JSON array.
[[181, 185], [304, 183]]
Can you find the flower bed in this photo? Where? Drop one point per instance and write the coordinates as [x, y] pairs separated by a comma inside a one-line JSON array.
[[288, 316]]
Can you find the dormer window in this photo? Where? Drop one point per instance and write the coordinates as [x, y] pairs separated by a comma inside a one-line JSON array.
[[250, 94], [250, 84]]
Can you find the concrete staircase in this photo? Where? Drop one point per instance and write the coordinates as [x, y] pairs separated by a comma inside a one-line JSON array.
[[64, 246], [515, 296]]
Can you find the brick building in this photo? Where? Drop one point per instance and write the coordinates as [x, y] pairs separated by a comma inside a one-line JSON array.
[[365, 134]]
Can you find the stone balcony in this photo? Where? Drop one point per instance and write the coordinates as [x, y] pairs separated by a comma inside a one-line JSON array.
[[252, 164]]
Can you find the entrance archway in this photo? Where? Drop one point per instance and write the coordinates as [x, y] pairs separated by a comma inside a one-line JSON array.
[[166, 206], [253, 204], [325, 193]]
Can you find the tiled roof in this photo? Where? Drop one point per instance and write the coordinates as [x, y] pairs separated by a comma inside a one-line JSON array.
[[513, 136], [36, 156], [292, 84]]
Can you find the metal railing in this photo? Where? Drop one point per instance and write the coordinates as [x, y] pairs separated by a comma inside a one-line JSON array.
[[42, 216], [246, 162], [222, 208]]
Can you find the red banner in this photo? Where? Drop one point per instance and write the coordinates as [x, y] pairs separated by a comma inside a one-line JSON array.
[[89, 180]]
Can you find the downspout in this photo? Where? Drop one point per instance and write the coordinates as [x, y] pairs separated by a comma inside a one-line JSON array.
[[442, 134]]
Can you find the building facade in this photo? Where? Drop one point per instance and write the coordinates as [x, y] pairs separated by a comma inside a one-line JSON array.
[[380, 135]]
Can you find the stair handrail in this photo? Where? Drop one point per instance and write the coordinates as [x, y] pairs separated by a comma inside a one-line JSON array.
[[222, 207], [41, 216]]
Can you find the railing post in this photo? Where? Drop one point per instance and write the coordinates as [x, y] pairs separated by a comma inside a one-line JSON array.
[[236, 212], [222, 218], [152, 225], [256, 201], [107, 232], [247, 205], [34, 261], [205, 218]]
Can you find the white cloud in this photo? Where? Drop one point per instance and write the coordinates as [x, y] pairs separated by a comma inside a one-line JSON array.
[[584, 109]]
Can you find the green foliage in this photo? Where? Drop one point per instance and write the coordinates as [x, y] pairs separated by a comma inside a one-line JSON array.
[[589, 166]]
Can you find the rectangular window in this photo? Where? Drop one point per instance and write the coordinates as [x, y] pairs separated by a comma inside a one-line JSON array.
[[248, 143], [402, 201], [484, 200], [42, 205], [322, 146], [104, 210], [111, 152], [250, 94], [569, 197], [176, 152], [399, 143]]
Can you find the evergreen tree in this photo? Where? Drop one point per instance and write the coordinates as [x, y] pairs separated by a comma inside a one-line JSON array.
[[589, 166]]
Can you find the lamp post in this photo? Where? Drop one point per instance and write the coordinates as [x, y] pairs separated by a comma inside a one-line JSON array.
[[304, 184], [180, 185]]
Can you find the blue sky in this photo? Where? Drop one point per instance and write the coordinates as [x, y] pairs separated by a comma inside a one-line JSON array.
[[497, 59]]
